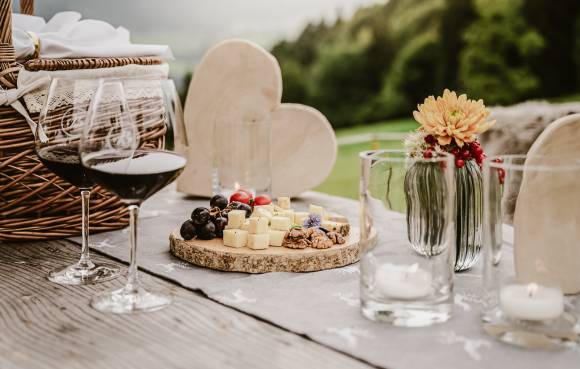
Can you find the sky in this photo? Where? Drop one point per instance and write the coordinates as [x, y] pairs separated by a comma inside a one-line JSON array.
[[191, 27]]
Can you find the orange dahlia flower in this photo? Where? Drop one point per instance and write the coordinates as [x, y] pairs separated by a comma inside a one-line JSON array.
[[450, 118]]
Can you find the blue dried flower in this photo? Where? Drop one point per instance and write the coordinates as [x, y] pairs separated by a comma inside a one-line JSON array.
[[313, 220]]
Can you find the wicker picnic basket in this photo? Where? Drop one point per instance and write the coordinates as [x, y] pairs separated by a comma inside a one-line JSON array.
[[35, 203]]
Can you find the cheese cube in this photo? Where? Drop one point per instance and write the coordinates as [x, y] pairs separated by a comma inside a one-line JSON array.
[[269, 207], [287, 213], [261, 212], [300, 217], [246, 225], [276, 237], [280, 223], [258, 241], [235, 238], [258, 225], [236, 219], [317, 210], [284, 202]]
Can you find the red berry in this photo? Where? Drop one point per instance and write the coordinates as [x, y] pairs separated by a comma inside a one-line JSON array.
[[498, 160], [501, 175], [454, 151], [428, 154], [477, 151], [465, 154], [459, 163], [241, 196], [262, 200]]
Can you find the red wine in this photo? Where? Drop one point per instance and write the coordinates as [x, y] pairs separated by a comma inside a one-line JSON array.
[[135, 178], [65, 162]]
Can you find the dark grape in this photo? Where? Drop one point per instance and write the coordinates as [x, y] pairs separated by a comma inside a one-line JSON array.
[[206, 231], [200, 216], [187, 230], [245, 207], [220, 223], [219, 201]]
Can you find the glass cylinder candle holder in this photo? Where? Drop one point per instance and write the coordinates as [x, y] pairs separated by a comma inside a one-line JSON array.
[[242, 156], [399, 284], [531, 249]]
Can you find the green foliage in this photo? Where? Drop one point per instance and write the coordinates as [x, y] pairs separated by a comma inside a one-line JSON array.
[[499, 47], [390, 56]]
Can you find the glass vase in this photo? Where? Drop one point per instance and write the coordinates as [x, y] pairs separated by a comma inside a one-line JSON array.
[[423, 192], [399, 285], [534, 224]]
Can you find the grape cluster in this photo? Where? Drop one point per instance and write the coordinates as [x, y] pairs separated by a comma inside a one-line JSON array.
[[206, 224], [209, 223]]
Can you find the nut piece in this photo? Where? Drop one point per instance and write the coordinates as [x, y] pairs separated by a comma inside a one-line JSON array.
[[336, 238], [296, 239], [320, 241]]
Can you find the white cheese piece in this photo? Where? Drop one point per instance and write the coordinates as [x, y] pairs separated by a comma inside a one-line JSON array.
[[284, 202], [287, 213], [269, 207], [246, 225], [258, 225], [280, 223], [317, 210], [258, 241], [236, 219], [300, 217], [261, 212], [276, 237], [235, 237]]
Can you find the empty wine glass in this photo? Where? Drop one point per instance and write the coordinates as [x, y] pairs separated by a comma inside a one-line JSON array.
[[58, 135], [130, 147]]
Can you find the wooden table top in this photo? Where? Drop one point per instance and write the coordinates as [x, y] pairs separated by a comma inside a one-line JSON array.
[[44, 325]]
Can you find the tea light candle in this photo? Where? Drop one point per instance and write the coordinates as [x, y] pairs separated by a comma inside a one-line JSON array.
[[404, 281], [531, 302]]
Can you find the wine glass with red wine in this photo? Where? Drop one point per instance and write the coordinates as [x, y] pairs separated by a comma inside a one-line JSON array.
[[132, 146], [58, 136]]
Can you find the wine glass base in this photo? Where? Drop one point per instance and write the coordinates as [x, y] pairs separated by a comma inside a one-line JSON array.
[[78, 274], [545, 335], [128, 300]]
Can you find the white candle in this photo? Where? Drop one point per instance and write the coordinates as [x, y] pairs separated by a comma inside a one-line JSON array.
[[403, 281], [531, 302]]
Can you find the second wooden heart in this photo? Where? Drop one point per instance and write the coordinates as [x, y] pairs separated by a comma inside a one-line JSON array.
[[236, 80]]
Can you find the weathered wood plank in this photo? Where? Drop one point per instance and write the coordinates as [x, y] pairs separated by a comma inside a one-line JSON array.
[[43, 325]]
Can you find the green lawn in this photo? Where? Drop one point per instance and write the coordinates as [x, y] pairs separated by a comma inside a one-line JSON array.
[[396, 125], [343, 181]]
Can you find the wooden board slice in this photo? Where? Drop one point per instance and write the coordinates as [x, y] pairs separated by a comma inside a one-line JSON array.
[[213, 254], [547, 215], [239, 80]]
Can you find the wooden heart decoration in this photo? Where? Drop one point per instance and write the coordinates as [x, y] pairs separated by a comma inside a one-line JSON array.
[[552, 197], [238, 79]]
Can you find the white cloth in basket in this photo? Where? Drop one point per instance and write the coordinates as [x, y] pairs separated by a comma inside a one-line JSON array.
[[67, 36], [35, 99]]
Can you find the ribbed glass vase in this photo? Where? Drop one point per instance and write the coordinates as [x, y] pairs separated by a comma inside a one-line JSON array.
[[423, 193]]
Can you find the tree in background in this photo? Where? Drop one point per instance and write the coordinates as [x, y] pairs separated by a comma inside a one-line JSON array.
[[389, 56], [556, 22], [500, 46]]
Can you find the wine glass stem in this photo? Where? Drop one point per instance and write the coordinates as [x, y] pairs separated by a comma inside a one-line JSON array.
[[132, 278], [85, 260]]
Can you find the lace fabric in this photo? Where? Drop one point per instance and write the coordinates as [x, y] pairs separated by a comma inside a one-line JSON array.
[[88, 79]]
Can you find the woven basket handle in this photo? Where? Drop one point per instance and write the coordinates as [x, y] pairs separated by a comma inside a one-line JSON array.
[[8, 66], [27, 7]]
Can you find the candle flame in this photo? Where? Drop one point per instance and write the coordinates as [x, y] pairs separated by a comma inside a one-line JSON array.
[[532, 289]]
